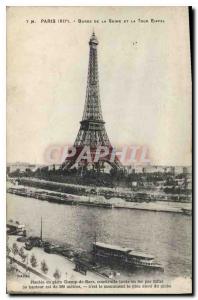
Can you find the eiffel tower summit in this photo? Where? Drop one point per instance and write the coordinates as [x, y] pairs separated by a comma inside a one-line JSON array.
[[92, 132]]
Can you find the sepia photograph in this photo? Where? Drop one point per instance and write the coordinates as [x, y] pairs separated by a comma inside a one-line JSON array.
[[99, 150]]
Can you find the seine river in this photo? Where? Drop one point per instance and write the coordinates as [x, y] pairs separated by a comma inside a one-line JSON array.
[[165, 235]]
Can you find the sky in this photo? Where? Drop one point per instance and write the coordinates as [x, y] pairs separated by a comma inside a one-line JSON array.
[[144, 77]]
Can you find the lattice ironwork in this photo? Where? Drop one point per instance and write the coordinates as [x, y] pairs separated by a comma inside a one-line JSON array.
[[92, 130]]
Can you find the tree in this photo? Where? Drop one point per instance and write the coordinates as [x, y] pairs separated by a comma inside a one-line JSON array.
[[22, 254], [57, 274], [15, 249], [8, 250], [33, 261], [21, 251], [44, 267]]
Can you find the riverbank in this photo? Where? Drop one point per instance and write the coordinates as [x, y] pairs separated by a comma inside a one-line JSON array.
[[99, 201], [65, 268], [134, 195]]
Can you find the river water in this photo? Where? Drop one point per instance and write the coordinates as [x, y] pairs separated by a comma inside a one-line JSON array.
[[165, 235]]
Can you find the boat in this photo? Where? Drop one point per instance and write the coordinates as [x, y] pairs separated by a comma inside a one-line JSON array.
[[35, 241], [142, 197], [187, 212], [125, 257], [95, 204], [31, 242], [143, 261], [15, 228], [53, 249]]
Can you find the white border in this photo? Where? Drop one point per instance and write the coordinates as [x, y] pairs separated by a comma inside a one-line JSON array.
[[3, 4], [2, 149], [99, 3]]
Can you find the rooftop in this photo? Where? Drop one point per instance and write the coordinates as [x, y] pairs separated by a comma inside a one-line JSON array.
[[140, 254], [113, 247]]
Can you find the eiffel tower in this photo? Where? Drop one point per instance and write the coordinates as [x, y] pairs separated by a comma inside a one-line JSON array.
[[92, 130]]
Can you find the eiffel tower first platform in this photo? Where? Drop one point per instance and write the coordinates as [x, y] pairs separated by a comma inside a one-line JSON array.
[[92, 132]]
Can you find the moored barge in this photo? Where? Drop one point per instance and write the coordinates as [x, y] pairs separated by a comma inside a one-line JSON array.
[[125, 257], [15, 228]]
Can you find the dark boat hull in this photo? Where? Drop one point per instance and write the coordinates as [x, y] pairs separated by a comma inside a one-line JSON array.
[[124, 264]]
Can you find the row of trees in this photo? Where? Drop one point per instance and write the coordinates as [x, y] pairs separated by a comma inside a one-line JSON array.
[[33, 260], [115, 174]]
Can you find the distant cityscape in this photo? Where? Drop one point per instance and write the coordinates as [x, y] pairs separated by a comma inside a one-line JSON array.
[[22, 167]]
